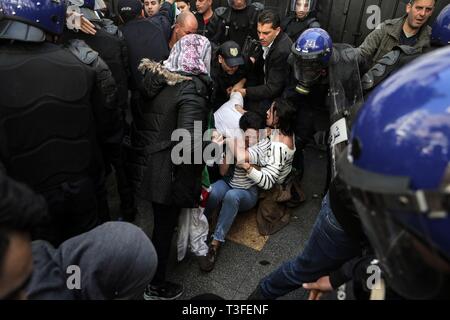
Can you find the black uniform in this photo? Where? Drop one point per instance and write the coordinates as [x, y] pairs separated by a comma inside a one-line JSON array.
[[49, 130], [112, 52], [222, 81], [236, 25], [210, 29], [109, 26], [294, 26]]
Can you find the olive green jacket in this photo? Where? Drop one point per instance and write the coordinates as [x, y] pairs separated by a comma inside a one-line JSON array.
[[386, 36]]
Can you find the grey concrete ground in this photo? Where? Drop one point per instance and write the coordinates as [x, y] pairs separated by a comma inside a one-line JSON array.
[[239, 268]]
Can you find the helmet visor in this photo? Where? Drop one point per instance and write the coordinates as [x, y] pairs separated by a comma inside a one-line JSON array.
[[399, 233], [308, 71], [305, 6], [409, 265]]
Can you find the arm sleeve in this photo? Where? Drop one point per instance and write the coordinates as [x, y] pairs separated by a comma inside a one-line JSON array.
[[167, 17], [371, 44], [107, 115], [258, 153], [277, 74], [355, 269], [268, 175]]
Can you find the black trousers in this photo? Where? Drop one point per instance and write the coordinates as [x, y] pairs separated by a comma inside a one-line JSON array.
[[165, 221]]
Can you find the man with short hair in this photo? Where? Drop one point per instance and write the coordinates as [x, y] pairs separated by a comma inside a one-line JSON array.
[[411, 30], [185, 24], [273, 63], [151, 7], [207, 20]]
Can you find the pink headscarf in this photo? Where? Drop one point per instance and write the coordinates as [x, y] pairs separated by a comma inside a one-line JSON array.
[[191, 54]]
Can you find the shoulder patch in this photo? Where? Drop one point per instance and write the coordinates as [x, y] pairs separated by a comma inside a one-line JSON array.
[[82, 51], [221, 11], [110, 27], [258, 5]]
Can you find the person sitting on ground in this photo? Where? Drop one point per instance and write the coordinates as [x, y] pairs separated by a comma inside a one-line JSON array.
[[280, 119], [236, 192]]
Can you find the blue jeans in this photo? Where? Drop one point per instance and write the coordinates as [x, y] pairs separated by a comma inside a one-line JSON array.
[[326, 250], [233, 201]]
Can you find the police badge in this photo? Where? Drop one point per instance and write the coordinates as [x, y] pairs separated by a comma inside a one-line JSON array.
[[234, 52]]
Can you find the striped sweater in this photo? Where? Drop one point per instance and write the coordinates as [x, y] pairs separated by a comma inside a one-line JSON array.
[[259, 156], [277, 166]]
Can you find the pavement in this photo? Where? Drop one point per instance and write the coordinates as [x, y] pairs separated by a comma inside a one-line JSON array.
[[239, 268]]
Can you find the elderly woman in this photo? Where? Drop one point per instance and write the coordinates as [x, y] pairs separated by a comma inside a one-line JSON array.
[[177, 96]]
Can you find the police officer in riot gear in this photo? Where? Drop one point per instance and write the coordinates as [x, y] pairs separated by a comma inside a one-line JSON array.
[[397, 170], [107, 45], [309, 61], [302, 16], [51, 128], [237, 21], [113, 51]]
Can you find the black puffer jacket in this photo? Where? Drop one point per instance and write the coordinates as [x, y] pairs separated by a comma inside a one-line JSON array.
[[173, 101]]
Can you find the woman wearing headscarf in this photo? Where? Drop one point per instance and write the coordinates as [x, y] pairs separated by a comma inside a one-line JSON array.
[[178, 94]]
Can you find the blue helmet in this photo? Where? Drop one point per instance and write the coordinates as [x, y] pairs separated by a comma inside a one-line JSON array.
[[441, 28], [29, 20], [398, 170], [314, 44], [310, 56]]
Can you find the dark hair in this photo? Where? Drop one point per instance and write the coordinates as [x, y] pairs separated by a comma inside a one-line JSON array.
[[20, 210], [252, 120], [411, 2], [269, 16], [286, 114]]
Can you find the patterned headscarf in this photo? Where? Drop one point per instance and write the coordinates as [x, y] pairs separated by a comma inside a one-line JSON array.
[[191, 54]]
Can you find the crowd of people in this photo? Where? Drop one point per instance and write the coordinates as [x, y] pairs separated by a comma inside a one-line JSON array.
[[96, 88]]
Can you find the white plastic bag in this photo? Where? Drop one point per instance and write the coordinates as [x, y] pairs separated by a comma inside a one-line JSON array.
[[192, 232]]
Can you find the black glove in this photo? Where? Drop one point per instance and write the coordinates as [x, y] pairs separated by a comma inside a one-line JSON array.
[[251, 48]]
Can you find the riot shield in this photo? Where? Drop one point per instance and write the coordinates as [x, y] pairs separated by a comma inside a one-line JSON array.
[[346, 96]]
